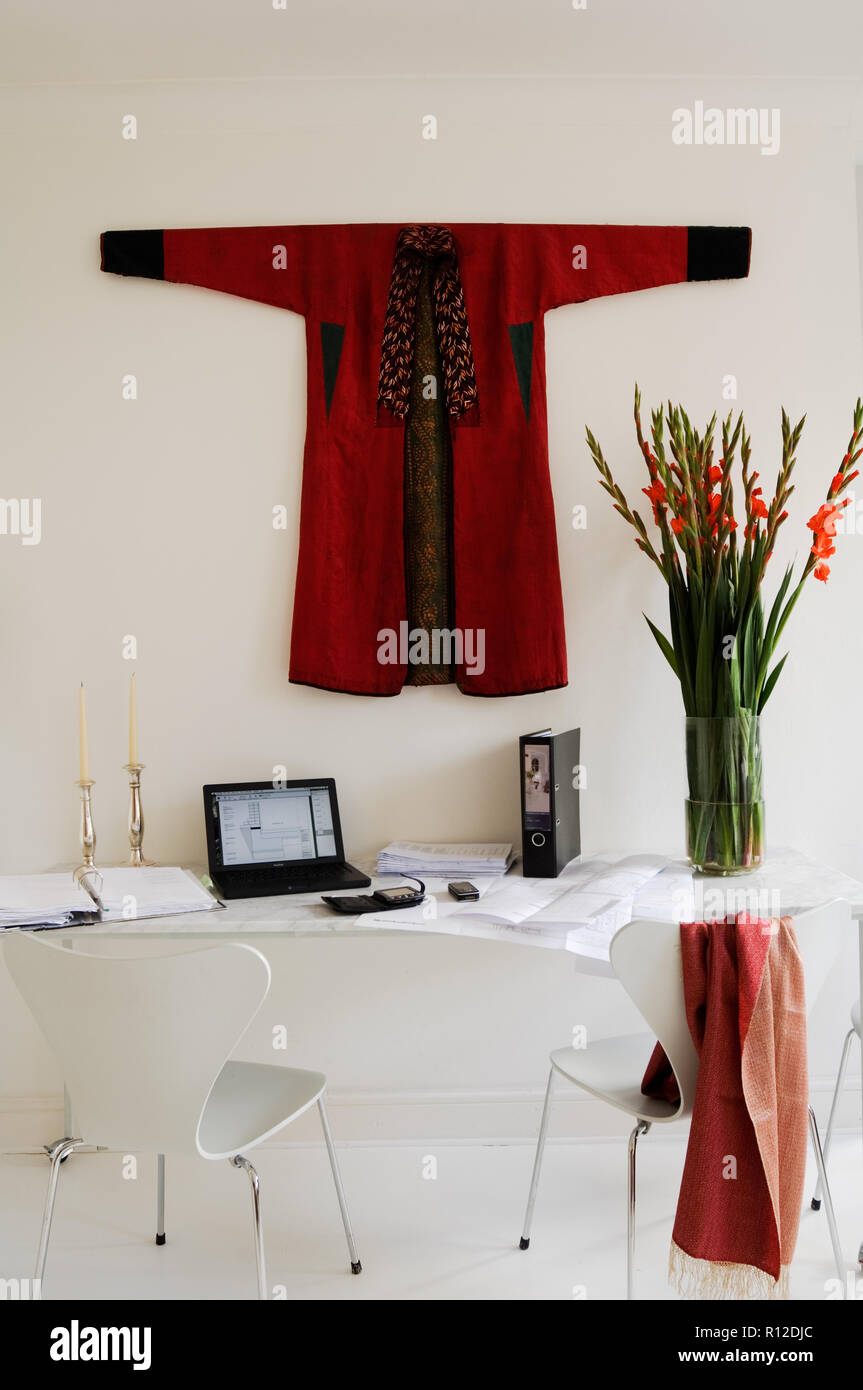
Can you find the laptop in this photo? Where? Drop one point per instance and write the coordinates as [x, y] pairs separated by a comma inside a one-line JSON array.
[[264, 839]]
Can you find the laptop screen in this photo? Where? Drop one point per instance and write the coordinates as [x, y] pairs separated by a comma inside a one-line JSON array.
[[259, 825]]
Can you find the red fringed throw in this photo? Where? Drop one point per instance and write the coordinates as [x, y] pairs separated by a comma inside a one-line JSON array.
[[739, 1206]]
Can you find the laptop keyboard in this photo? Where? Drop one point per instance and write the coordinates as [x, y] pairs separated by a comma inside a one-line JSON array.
[[299, 878]]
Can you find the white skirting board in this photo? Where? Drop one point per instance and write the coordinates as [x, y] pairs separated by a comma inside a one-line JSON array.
[[424, 1117]]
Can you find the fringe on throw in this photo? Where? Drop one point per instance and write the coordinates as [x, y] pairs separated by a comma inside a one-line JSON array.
[[711, 1279]]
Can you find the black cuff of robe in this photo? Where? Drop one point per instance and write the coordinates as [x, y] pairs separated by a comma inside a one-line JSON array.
[[134, 253], [718, 253]]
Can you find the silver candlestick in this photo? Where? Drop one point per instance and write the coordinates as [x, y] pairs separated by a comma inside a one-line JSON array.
[[88, 834], [136, 817]]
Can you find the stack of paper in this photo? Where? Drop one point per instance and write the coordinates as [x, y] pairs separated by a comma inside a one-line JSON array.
[[43, 900], [410, 857]]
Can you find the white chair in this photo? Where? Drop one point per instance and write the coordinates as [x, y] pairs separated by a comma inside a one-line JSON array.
[[144, 1044], [646, 958]]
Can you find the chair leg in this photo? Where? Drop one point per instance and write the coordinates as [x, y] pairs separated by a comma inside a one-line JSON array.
[[239, 1161], [524, 1243], [48, 1149], [828, 1200], [828, 1133], [356, 1266], [58, 1153], [160, 1199], [642, 1127]]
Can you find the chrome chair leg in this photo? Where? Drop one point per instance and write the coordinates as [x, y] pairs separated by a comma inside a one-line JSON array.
[[57, 1152], [840, 1082], [160, 1199], [828, 1200], [524, 1243], [49, 1149], [642, 1127], [356, 1266], [239, 1161]]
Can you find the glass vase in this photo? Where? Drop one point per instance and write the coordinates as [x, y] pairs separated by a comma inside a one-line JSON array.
[[725, 807]]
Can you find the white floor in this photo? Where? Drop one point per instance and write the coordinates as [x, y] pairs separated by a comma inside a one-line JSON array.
[[452, 1236]]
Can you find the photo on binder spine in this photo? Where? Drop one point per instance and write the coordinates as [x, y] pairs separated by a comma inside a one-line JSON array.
[[537, 786]]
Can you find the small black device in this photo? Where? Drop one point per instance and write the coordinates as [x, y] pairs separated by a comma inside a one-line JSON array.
[[382, 900], [463, 892], [550, 773], [269, 838]]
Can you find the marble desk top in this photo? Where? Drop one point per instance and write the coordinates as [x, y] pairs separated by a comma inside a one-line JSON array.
[[788, 883]]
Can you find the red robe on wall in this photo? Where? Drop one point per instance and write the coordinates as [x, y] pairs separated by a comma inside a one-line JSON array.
[[437, 516]]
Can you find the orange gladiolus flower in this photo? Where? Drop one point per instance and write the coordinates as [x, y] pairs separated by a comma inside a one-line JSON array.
[[714, 473], [824, 519], [656, 491], [822, 572], [758, 508], [823, 546], [677, 526]]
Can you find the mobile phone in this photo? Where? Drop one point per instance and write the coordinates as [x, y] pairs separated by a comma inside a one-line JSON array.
[[463, 892]]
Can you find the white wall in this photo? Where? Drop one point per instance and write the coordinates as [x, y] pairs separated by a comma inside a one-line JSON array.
[[157, 518]]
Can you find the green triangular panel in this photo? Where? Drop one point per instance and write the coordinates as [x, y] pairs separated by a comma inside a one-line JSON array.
[[521, 342], [332, 336]]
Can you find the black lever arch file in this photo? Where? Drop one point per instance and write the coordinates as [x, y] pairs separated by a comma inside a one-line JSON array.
[[550, 780]]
